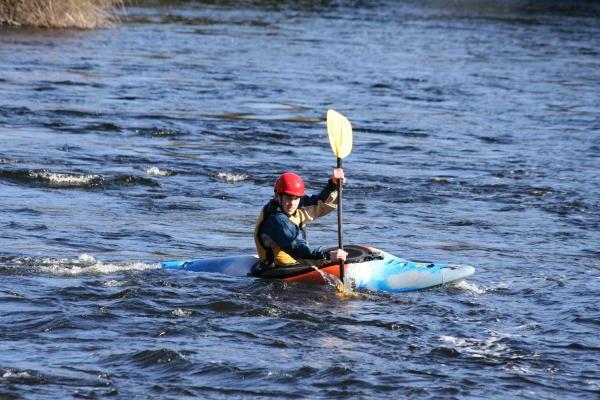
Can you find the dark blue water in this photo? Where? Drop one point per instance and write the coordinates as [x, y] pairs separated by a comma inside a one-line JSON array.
[[476, 140]]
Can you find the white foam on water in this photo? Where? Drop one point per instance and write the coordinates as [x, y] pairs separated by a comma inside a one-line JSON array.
[[65, 180], [478, 348], [516, 369], [470, 287], [86, 258], [592, 385], [180, 312], [115, 283], [231, 177], [86, 264], [16, 374], [155, 171]]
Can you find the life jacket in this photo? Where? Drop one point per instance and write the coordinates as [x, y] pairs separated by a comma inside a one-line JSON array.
[[273, 255]]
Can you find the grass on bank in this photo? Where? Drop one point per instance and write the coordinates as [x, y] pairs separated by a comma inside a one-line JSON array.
[[82, 14]]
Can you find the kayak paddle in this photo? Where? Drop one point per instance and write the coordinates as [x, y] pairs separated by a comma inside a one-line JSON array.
[[340, 138]]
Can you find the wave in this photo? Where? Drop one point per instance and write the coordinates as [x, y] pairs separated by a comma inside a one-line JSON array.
[[84, 264], [230, 177], [131, 180], [491, 347], [155, 171], [65, 179], [469, 287], [150, 358], [28, 377], [159, 132], [52, 179], [10, 112], [103, 127], [44, 177]]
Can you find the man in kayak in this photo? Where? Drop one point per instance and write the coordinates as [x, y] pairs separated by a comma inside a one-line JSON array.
[[280, 230]]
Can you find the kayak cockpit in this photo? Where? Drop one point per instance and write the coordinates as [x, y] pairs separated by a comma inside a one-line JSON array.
[[356, 254]]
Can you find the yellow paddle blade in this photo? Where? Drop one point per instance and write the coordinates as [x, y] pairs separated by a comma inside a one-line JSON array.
[[340, 133]]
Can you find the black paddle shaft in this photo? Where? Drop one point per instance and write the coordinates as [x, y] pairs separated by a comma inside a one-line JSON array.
[[340, 242]]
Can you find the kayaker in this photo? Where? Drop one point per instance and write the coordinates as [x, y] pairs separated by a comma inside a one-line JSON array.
[[280, 230]]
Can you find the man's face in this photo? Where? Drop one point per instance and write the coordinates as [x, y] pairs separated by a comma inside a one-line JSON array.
[[289, 204]]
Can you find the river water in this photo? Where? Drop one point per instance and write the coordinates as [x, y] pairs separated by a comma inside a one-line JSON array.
[[476, 140]]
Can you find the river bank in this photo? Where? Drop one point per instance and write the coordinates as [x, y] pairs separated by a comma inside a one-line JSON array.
[[61, 14]]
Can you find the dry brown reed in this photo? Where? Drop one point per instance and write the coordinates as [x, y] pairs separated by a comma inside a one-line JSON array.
[[82, 14]]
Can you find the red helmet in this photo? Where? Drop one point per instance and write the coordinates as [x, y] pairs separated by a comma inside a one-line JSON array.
[[289, 183]]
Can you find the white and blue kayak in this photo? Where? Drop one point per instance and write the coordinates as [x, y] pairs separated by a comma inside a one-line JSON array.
[[366, 268]]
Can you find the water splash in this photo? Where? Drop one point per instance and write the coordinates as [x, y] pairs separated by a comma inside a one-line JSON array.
[[180, 312], [491, 347], [329, 279], [57, 179], [84, 264], [11, 373], [230, 177], [344, 290], [155, 171], [470, 287]]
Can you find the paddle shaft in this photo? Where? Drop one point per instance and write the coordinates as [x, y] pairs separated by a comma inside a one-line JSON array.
[[339, 214]]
